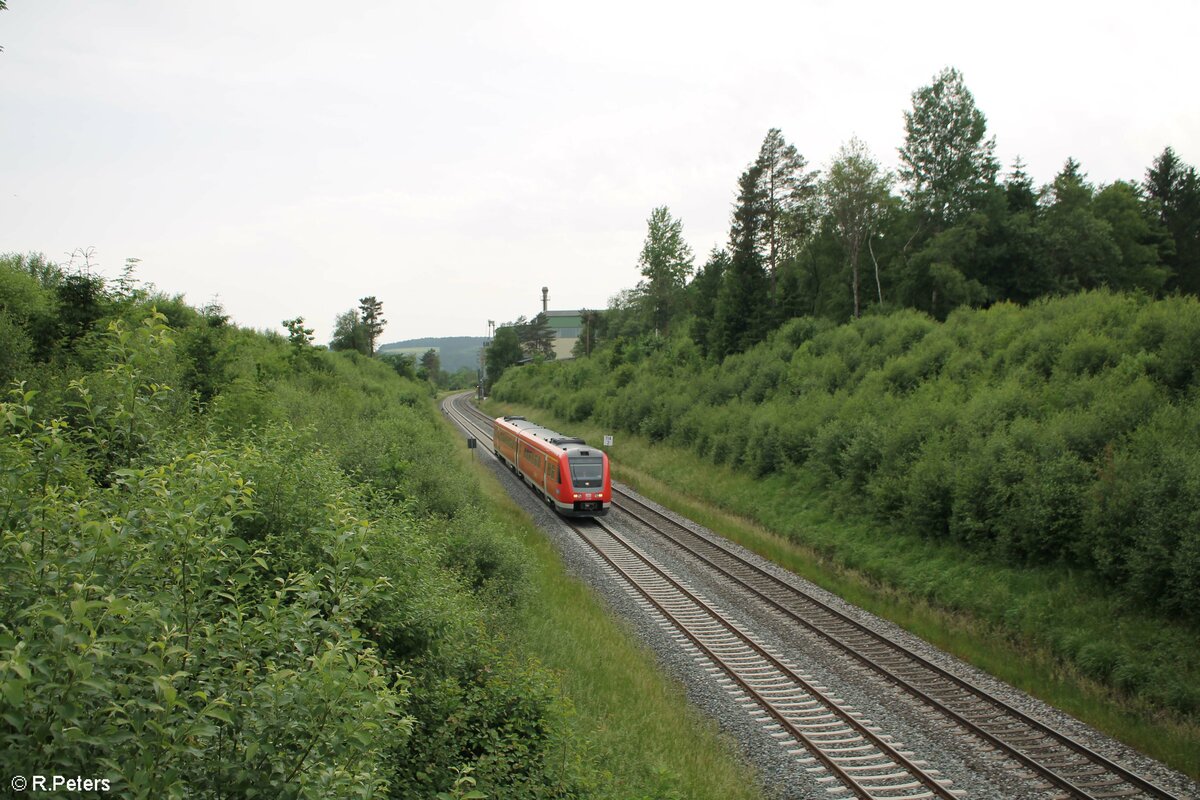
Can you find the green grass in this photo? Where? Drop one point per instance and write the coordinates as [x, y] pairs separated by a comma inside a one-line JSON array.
[[1032, 628], [644, 740]]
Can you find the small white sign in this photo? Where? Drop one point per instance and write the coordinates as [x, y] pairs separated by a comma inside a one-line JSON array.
[[608, 440]]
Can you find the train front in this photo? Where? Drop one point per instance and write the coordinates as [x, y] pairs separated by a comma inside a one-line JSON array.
[[591, 484]]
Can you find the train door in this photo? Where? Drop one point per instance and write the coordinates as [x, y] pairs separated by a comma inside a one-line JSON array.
[[553, 481]]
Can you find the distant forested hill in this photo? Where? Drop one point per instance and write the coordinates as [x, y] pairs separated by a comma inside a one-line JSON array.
[[456, 352]]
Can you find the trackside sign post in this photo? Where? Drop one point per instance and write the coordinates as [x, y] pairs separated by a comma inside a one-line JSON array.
[[608, 440]]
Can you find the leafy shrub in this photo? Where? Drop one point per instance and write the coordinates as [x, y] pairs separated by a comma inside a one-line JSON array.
[[142, 639], [259, 595]]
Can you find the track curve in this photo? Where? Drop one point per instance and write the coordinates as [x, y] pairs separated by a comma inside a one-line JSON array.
[[1074, 769]]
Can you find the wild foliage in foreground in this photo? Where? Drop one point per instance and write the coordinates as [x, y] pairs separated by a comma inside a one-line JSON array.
[[231, 567], [1062, 433]]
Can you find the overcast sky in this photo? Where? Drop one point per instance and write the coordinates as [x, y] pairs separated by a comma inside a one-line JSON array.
[[288, 157]]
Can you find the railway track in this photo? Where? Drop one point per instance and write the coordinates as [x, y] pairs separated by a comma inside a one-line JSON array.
[[814, 726], [1060, 760], [1070, 767]]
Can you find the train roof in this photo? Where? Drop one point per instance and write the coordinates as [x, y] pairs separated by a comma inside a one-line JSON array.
[[551, 437]]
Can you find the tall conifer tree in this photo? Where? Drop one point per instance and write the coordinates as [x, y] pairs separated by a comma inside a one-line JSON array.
[[1175, 188], [704, 290], [788, 193], [371, 310], [743, 298]]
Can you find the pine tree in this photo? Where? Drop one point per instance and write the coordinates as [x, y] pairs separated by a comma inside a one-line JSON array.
[[703, 291], [536, 337], [431, 366], [372, 321], [1019, 193], [1139, 235], [742, 301], [542, 335], [789, 194], [589, 333], [1016, 271], [1175, 188], [300, 338], [1077, 246]]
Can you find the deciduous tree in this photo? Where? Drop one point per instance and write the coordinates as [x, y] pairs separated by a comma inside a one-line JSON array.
[[946, 160], [855, 192], [665, 263], [502, 353], [349, 334], [405, 365]]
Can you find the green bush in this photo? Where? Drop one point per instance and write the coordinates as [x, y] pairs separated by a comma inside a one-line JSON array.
[[142, 639]]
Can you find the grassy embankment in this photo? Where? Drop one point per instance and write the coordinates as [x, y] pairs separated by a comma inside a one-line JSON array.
[[644, 740], [1016, 484]]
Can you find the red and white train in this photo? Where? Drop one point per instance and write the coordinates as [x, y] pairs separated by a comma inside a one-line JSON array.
[[571, 476]]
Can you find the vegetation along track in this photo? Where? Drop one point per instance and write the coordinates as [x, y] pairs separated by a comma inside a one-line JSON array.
[[1073, 768]]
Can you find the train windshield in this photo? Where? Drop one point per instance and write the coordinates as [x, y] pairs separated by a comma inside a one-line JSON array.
[[587, 473]]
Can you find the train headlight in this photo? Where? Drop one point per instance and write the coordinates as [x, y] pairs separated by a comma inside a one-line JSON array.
[[577, 495]]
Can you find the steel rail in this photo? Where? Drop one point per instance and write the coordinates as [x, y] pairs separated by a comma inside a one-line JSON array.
[[973, 692], [816, 748]]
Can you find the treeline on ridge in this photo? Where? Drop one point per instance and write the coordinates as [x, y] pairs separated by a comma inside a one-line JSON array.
[[358, 329], [949, 230]]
